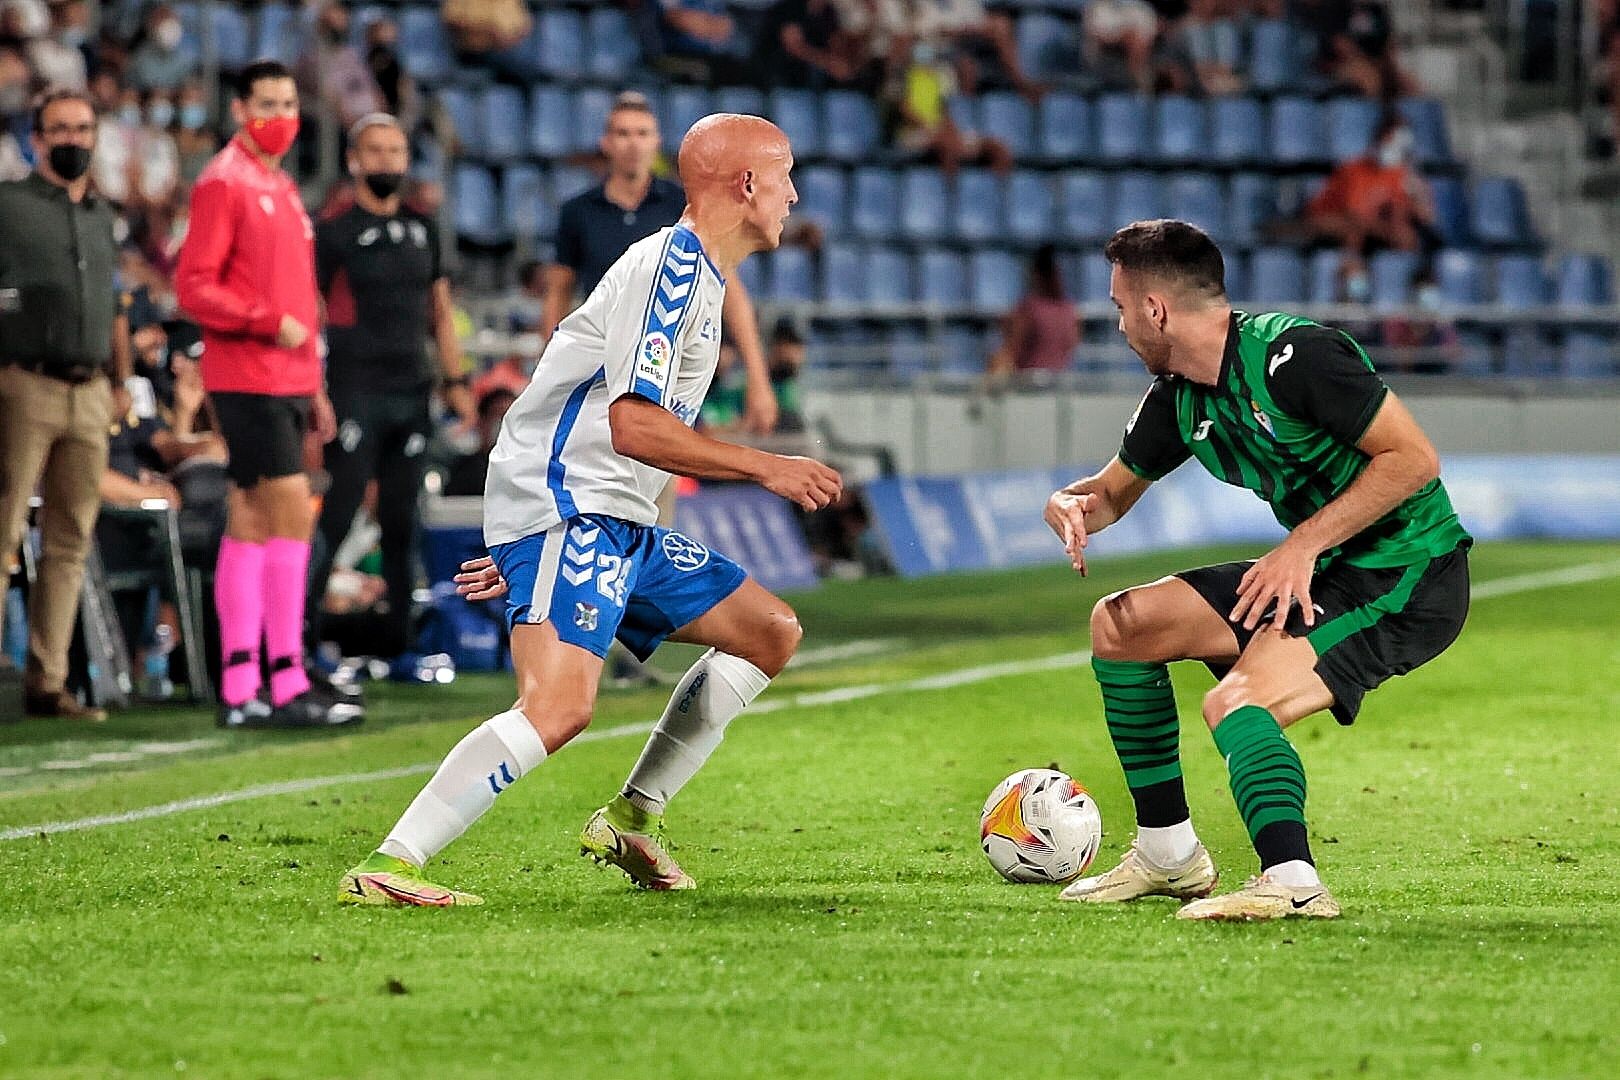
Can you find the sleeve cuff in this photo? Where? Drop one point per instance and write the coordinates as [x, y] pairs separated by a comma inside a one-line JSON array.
[[1368, 414]]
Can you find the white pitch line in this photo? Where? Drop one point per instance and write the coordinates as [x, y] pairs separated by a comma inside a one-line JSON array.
[[848, 650], [1570, 575]]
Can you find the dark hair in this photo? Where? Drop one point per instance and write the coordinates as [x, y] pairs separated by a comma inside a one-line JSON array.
[[1045, 277], [51, 97], [1173, 251], [632, 101], [264, 68], [786, 332], [528, 270]]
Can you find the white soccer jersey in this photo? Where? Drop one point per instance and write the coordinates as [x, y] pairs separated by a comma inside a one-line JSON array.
[[650, 327]]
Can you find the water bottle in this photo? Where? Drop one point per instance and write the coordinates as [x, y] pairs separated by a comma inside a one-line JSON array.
[[157, 685]]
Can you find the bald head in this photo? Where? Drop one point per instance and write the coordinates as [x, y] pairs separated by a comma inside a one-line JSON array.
[[735, 172]]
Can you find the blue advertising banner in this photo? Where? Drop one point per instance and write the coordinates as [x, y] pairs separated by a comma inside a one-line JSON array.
[[752, 527]]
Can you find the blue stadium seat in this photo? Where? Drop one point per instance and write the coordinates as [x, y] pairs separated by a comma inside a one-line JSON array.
[[925, 212], [1427, 119], [524, 206], [1253, 203], [963, 112], [233, 36], [1010, 118], [875, 203], [1199, 197], [424, 44], [1273, 57], [280, 33], [558, 39], [1135, 196], [843, 274], [1096, 273], [849, 126], [501, 113], [1325, 272], [551, 121], [1031, 207], [569, 180], [1122, 128], [591, 108], [796, 113], [1045, 45], [1180, 130], [1065, 128], [1237, 272], [1521, 282], [1528, 354], [998, 279], [1352, 122], [683, 107], [1237, 131], [1460, 273], [614, 51], [361, 16], [1390, 274], [1297, 135], [739, 99], [752, 274], [791, 279], [910, 352], [1584, 279], [1085, 213], [1501, 217], [1451, 210], [888, 277], [1589, 354], [976, 215], [1276, 276], [476, 208], [466, 116], [942, 279], [823, 198]]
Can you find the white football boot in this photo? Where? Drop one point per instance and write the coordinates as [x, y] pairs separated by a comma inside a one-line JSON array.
[[1137, 876]]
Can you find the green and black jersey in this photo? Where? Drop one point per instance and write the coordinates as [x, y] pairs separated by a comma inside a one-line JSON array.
[[1292, 401]]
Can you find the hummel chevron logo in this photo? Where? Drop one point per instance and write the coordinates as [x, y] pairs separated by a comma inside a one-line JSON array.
[[578, 557], [672, 290], [678, 270], [665, 315], [578, 577], [582, 536], [1280, 359]]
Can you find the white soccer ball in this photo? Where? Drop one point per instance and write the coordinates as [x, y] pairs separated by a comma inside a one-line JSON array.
[[1040, 825]]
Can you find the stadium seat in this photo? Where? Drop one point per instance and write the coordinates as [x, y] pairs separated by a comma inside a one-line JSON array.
[[1390, 273], [1276, 276], [683, 107], [963, 112], [1065, 134], [1135, 196], [1031, 207], [849, 126], [476, 208], [963, 348], [1451, 210], [1477, 356], [739, 99], [976, 215], [823, 198], [424, 44], [1589, 354], [888, 277], [591, 108], [1122, 123], [361, 16], [924, 204], [1045, 45], [1199, 197], [1528, 354], [1584, 280], [843, 274], [1297, 136], [910, 352], [569, 180], [1237, 272], [280, 33], [1326, 270], [1084, 206], [1008, 117], [1096, 274], [1521, 282], [791, 280], [1460, 274], [752, 274], [524, 205], [1352, 123], [1253, 203], [875, 203], [1427, 119], [1501, 218], [1273, 57], [1180, 130], [232, 34], [504, 126], [551, 121], [998, 279], [796, 113], [558, 39], [1237, 131], [466, 115], [942, 279], [614, 49]]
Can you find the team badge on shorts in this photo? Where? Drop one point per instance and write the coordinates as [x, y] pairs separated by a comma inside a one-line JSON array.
[[585, 616], [685, 553]]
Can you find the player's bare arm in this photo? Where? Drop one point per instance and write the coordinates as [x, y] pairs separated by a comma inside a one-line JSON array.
[[1090, 505], [650, 434], [1401, 460]]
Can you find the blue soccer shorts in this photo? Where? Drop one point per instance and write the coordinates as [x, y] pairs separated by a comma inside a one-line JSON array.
[[598, 577]]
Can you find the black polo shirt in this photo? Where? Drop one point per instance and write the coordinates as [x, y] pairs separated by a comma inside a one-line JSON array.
[[592, 232], [57, 258]]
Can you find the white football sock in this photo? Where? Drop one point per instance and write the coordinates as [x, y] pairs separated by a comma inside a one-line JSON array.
[[708, 697], [1296, 872], [1170, 846], [487, 761]]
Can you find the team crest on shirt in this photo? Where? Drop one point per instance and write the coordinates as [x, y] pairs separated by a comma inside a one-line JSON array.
[[656, 351], [585, 616], [1261, 417]]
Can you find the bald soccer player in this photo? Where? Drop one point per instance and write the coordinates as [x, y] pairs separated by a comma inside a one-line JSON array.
[[572, 530]]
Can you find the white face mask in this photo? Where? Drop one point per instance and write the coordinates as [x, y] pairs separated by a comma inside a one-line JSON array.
[[168, 34], [1395, 150]]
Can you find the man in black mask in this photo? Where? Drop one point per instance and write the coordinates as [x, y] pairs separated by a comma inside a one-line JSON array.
[[378, 268]]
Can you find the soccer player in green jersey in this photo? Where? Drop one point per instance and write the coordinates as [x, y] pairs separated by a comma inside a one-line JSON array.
[[1371, 581]]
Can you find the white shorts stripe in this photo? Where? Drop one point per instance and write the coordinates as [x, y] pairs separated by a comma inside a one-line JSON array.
[[545, 578]]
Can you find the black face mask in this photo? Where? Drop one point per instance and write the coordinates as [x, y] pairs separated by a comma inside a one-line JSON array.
[[384, 185], [69, 162]]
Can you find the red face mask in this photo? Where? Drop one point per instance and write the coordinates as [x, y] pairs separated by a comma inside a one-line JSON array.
[[273, 136]]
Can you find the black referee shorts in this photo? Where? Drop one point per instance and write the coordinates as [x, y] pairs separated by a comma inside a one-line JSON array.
[[264, 434], [1370, 623]]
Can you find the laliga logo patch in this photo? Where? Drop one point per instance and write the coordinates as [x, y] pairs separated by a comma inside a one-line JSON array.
[[655, 353], [683, 552], [585, 616]]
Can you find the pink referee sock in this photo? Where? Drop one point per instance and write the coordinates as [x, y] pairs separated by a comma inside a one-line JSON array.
[[286, 569], [239, 599]]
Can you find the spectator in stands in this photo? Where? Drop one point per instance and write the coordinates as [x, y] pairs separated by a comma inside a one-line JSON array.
[[882, 29], [193, 138], [397, 86], [786, 360], [15, 77], [333, 72], [491, 33], [1118, 42], [1042, 331], [58, 54], [468, 472], [1358, 51], [699, 38], [926, 127], [968, 32], [1205, 50], [158, 60], [805, 43]]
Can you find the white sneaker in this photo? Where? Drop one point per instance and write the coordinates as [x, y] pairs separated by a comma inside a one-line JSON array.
[[1263, 898], [1137, 876]]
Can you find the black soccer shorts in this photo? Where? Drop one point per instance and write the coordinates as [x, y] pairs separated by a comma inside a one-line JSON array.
[[264, 434]]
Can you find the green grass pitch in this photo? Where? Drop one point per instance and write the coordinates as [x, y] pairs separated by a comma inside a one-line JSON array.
[[847, 924]]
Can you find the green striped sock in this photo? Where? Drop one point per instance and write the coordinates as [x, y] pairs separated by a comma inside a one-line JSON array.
[[1140, 707], [1268, 780]]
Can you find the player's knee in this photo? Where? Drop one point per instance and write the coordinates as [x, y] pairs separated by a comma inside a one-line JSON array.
[[1225, 698], [779, 642], [556, 723], [1115, 629]]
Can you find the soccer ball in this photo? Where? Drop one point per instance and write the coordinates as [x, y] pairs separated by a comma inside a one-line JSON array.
[[1040, 825]]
